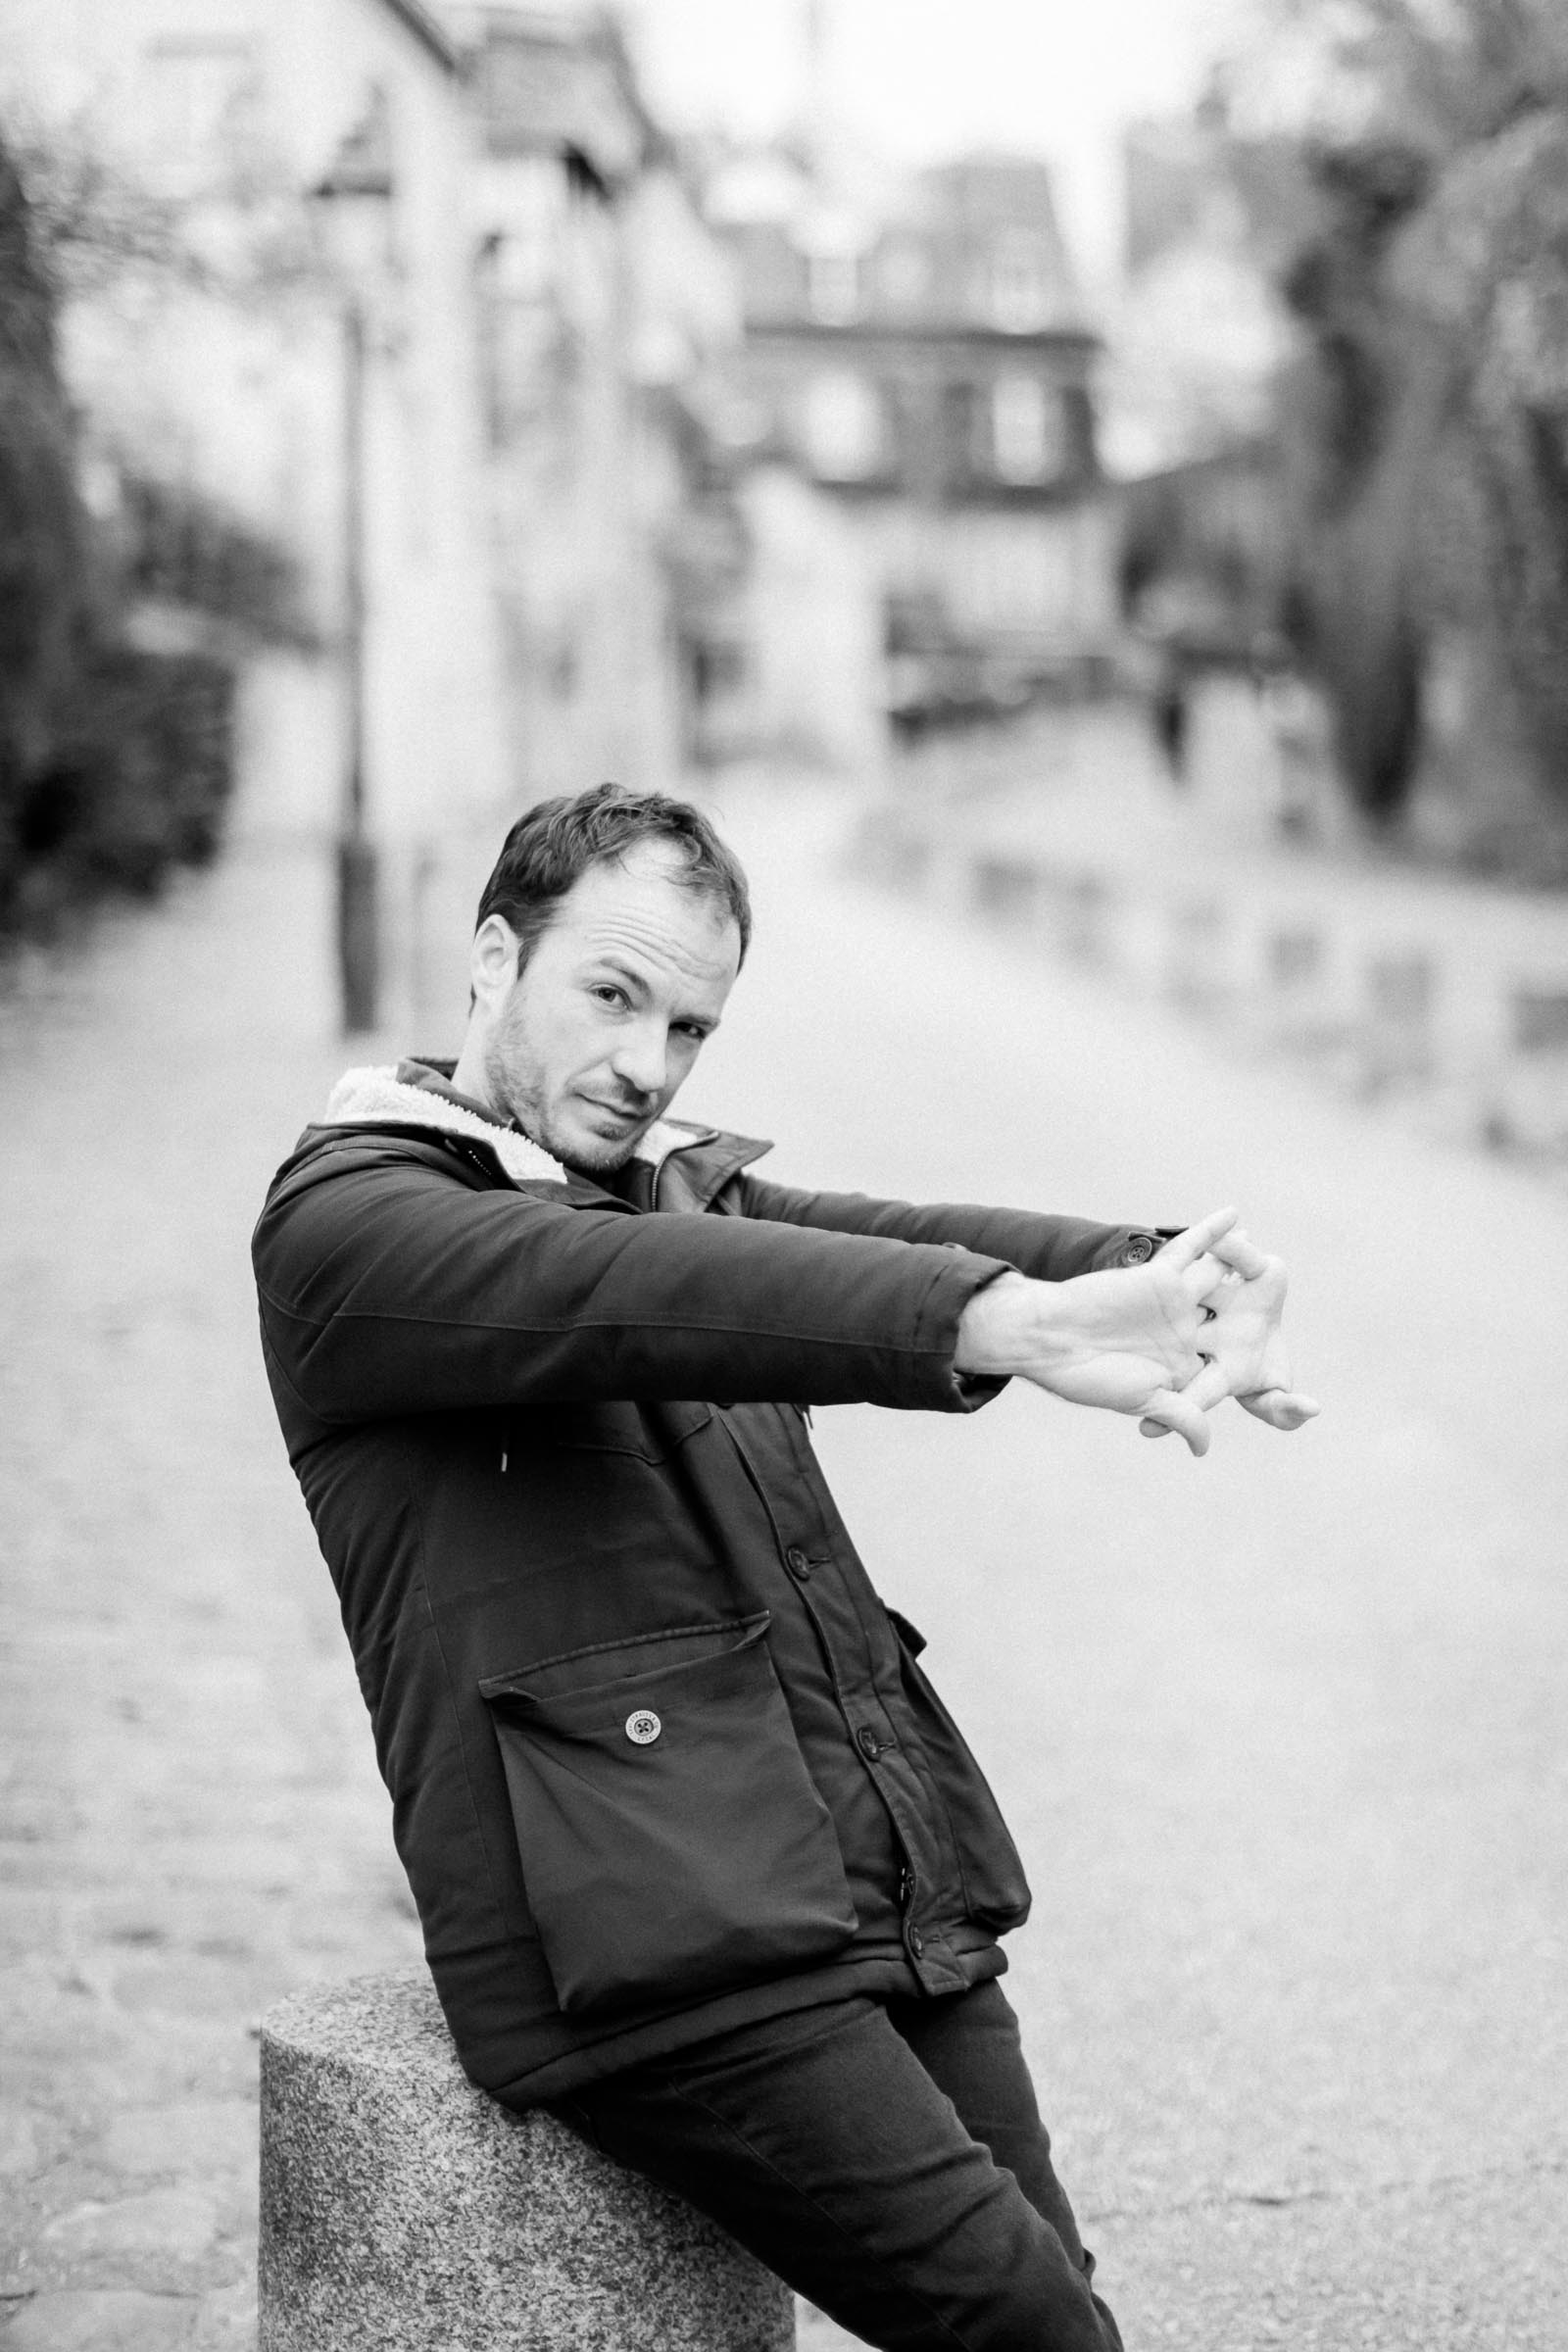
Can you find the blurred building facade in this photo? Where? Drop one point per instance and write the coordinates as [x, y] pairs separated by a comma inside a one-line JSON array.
[[913, 420], [477, 433], [602, 302], [222, 367]]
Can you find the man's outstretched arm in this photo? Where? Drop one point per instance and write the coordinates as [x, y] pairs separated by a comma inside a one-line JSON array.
[[1047, 1246], [1167, 1340], [393, 1289]]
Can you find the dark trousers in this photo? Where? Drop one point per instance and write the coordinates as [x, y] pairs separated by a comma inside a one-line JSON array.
[[886, 2159]]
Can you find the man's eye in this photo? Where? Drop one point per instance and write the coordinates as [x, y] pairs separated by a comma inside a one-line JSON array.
[[607, 993]]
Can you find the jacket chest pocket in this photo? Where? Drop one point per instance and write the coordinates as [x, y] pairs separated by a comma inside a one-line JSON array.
[[671, 1841], [649, 1432]]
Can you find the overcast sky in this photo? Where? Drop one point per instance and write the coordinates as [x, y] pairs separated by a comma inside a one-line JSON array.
[[921, 78]]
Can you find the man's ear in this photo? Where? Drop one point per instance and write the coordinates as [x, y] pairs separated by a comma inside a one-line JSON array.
[[492, 962]]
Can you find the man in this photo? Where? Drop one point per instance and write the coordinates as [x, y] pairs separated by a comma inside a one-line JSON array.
[[702, 1861]]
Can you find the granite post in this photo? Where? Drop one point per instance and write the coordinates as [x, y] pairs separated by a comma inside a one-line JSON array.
[[404, 2211]]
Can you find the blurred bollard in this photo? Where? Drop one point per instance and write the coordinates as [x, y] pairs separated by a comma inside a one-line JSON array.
[[404, 2211], [890, 854], [1306, 1003], [1070, 908], [1004, 887], [1530, 1104], [1294, 961], [1087, 905], [1196, 941], [1397, 1038], [1541, 1020], [1451, 1001], [1141, 942]]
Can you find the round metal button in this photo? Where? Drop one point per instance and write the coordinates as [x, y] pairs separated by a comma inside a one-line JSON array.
[[917, 1942], [643, 1728], [866, 1740], [796, 1561]]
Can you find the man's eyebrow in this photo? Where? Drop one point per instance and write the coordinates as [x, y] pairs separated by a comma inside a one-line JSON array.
[[609, 960], [606, 960]]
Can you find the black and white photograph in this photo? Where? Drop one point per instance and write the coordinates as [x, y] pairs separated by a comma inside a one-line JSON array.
[[783, 1176]]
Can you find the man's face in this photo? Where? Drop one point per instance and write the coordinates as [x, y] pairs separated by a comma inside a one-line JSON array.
[[589, 1045]]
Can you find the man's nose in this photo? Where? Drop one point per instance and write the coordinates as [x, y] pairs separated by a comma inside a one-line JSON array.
[[641, 1059]]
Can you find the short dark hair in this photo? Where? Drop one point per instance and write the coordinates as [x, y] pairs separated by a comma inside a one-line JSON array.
[[554, 842]]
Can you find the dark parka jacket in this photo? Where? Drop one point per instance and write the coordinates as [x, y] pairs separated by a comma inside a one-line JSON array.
[[661, 1761]]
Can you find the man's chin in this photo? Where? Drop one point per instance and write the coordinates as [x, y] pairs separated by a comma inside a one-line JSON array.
[[597, 1154], [594, 1158], [573, 1141]]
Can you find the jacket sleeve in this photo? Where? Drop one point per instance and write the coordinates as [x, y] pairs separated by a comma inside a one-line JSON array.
[[1050, 1249], [392, 1288]]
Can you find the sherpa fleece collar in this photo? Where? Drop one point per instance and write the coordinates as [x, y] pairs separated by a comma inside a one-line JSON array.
[[376, 1097]]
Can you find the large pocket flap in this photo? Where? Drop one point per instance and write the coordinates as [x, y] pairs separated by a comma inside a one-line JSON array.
[[604, 1666], [673, 1843]]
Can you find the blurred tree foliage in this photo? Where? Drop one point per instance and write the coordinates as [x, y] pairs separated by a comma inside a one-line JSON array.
[[176, 546], [116, 759], [45, 591], [1426, 428]]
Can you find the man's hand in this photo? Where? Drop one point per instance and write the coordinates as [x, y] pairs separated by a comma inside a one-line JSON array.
[[1127, 1340], [1240, 1344], [1167, 1340]]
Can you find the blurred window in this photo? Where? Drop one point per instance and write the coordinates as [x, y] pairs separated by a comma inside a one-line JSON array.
[[1018, 285], [905, 274], [517, 324], [842, 426], [520, 257], [833, 287], [965, 434], [1027, 435]]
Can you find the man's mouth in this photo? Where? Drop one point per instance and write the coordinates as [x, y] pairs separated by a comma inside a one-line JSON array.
[[618, 1112]]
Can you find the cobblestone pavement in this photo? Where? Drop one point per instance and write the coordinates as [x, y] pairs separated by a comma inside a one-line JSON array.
[[192, 1821], [1280, 1732]]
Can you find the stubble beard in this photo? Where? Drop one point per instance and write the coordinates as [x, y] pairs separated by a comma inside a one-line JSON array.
[[521, 1103], [603, 1161]]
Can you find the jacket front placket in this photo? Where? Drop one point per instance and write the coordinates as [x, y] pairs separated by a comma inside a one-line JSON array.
[[859, 1650], [824, 1578]]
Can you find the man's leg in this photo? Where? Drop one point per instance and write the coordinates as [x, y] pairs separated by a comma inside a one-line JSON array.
[[972, 2049], [824, 2142]]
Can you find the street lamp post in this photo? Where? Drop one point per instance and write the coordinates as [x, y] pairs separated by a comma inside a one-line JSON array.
[[353, 205]]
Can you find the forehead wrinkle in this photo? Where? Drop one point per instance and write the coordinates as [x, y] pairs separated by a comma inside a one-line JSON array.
[[646, 938]]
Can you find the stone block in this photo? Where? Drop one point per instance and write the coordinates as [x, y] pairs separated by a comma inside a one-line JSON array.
[[404, 2211]]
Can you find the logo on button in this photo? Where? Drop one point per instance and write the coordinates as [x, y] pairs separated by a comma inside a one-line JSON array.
[[643, 1728]]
